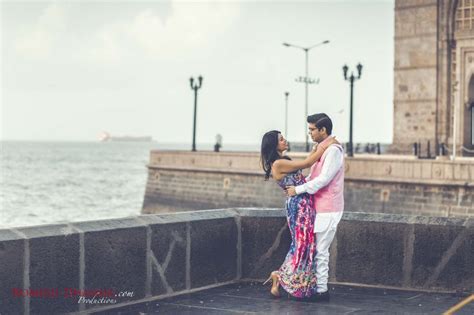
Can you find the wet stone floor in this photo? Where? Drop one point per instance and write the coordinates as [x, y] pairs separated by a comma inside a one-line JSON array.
[[253, 298]]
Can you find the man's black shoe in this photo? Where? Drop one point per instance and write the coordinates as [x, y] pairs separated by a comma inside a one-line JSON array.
[[319, 297]]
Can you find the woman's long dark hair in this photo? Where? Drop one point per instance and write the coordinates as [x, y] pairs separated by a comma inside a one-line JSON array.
[[269, 152]]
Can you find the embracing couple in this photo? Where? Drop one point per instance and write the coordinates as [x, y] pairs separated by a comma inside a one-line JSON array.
[[314, 207]]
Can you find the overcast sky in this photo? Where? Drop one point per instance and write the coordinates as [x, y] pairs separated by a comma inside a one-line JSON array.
[[71, 69]]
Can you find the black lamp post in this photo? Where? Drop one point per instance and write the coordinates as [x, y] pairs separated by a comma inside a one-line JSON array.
[[286, 114], [195, 87], [351, 79]]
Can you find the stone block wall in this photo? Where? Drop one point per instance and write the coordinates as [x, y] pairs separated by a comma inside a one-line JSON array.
[[405, 251], [153, 256], [406, 198], [196, 189], [382, 184], [138, 257]]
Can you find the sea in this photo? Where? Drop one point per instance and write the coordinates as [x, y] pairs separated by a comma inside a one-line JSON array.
[[60, 182]]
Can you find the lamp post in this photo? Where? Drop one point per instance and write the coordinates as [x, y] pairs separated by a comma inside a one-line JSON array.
[[195, 87], [351, 79], [306, 80], [286, 115]]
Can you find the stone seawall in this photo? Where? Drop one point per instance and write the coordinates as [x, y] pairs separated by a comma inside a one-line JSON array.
[[379, 184], [152, 256]]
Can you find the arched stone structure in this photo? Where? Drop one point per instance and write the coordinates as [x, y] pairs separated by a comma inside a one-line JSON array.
[[434, 54]]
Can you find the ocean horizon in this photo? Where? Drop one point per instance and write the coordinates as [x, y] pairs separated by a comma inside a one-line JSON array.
[[47, 182]]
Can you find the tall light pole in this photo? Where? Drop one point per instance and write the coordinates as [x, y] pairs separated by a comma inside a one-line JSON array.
[[351, 79], [455, 119], [306, 80], [195, 87], [286, 115]]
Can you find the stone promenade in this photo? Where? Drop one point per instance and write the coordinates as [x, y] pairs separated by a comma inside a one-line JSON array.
[[253, 298]]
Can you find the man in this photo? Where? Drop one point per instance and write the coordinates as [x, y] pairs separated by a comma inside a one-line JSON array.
[[326, 183]]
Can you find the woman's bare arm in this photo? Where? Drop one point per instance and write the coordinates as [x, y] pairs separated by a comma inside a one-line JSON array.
[[284, 166]]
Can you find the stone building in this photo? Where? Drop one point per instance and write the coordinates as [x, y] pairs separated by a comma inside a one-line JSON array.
[[434, 75]]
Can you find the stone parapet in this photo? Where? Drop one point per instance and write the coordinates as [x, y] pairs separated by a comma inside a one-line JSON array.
[[390, 168], [374, 183], [411, 170], [152, 256], [206, 160]]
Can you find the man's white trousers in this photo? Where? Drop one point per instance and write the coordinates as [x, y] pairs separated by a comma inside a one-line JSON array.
[[325, 226]]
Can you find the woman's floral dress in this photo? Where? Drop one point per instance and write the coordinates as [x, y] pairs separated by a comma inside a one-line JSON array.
[[298, 271]]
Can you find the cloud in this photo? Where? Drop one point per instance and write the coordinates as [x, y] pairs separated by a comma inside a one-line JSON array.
[[143, 33], [190, 25], [148, 33], [105, 46], [38, 42]]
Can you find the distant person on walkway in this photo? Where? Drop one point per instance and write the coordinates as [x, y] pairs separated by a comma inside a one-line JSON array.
[[326, 183], [297, 274]]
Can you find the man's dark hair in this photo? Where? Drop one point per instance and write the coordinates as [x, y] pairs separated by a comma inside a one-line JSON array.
[[321, 120]]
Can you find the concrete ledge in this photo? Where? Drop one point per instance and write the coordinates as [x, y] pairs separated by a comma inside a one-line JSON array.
[[13, 257], [407, 219], [375, 184], [154, 255], [52, 257], [379, 178], [387, 168]]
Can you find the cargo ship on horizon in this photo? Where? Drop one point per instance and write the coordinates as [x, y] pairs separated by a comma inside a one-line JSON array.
[[107, 137]]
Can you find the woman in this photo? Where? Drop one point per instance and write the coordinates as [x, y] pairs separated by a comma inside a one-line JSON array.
[[297, 274]]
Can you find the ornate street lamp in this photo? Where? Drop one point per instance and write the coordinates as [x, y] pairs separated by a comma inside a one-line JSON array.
[[195, 87], [351, 79]]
